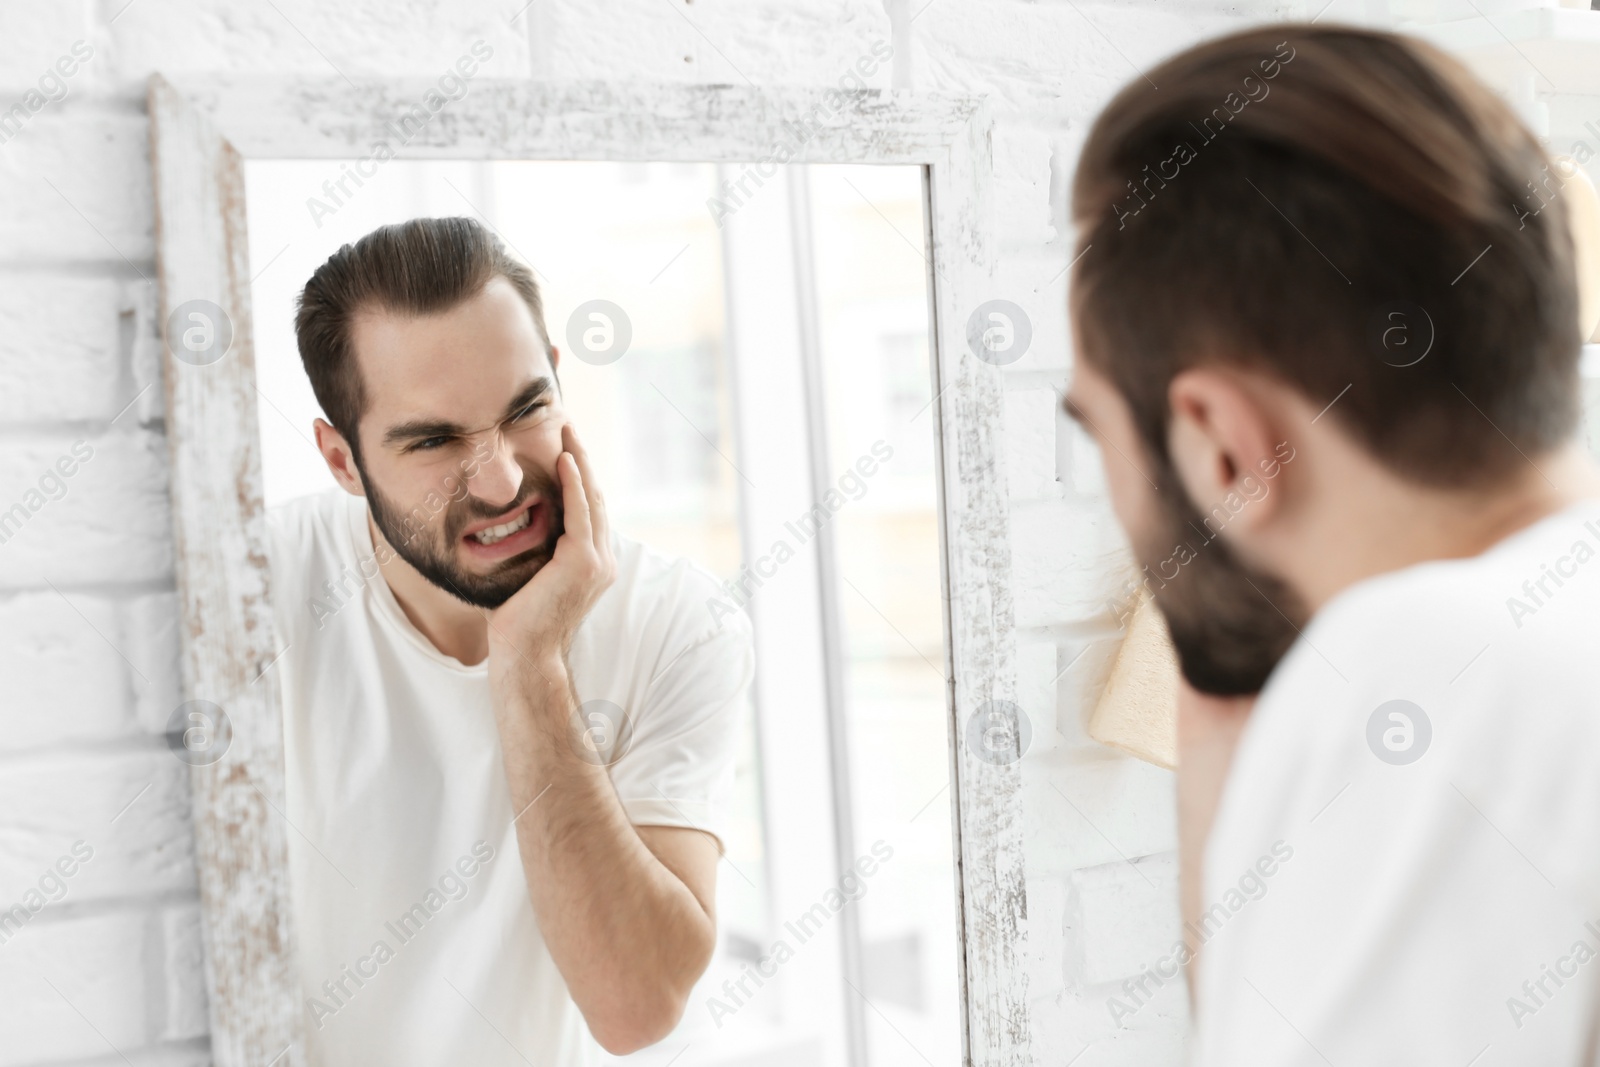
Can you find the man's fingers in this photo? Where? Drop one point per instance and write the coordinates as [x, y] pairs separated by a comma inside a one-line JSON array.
[[598, 519], [574, 503]]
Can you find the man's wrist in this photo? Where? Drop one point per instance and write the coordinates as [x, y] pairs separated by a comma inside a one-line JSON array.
[[535, 685], [536, 665]]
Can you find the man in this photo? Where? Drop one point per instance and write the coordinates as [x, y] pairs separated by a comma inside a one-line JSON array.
[[508, 729], [1326, 327]]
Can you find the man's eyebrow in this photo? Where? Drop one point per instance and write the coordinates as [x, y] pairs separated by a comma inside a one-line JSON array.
[[421, 429], [534, 390]]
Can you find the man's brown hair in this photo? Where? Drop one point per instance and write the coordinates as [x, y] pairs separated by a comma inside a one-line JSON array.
[[420, 267], [1306, 201]]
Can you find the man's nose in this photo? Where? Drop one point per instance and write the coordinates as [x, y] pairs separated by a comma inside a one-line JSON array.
[[499, 477]]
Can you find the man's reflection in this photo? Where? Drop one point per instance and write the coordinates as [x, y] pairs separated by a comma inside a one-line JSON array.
[[509, 729]]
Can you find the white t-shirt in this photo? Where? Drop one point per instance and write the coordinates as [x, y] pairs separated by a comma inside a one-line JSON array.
[[1365, 910], [418, 944]]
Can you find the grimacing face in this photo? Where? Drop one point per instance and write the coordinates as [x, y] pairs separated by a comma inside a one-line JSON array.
[[459, 441], [1230, 622]]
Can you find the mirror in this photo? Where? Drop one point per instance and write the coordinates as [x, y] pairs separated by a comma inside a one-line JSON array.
[[805, 426], [751, 378]]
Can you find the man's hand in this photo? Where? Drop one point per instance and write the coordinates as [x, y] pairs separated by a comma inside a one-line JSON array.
[[532, 631], [626, 913], [1208, 731]]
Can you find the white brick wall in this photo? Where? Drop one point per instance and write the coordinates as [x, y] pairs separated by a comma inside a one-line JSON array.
[[111, 973]]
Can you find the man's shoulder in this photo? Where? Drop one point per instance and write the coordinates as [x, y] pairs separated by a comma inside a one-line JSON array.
[[1450, 660], [317, 514], [307, 541], [1416, 708], [1541, 582]]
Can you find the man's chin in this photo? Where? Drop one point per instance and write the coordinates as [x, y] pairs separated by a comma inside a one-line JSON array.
[[494, 586], [1206, 675], [1232, 646]]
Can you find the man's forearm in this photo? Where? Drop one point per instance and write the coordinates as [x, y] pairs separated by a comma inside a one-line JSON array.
[[628, 935]]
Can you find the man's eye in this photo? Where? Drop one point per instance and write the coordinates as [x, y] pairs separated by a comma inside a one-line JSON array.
[[429, 444], [529, 410]]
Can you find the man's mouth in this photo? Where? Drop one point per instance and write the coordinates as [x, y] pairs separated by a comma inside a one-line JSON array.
[[526, 529], [501, 532]]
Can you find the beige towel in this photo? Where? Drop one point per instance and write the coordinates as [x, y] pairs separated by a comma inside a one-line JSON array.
[[1138, 710]]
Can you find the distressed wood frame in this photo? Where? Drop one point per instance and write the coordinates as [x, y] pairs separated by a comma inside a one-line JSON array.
[[203, 130]]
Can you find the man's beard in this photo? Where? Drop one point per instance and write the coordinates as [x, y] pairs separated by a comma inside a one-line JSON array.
[[434, 552], [1230, 623]]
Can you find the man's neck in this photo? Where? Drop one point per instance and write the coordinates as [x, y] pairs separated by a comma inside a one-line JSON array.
[[454, 627], [1382, 524]]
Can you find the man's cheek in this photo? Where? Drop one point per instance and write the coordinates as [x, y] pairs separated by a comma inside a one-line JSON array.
[[543, 450], [1133, 502]]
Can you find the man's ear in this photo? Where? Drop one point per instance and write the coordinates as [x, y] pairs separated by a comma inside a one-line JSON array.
[[336, 453], [1222, 439]]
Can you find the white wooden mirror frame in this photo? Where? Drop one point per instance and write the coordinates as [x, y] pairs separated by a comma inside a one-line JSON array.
[[203, 131]]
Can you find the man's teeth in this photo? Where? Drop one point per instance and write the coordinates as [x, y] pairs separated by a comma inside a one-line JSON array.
[[501, 532]]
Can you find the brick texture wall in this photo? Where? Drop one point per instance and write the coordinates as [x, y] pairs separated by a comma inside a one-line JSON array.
[[109, 970]]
